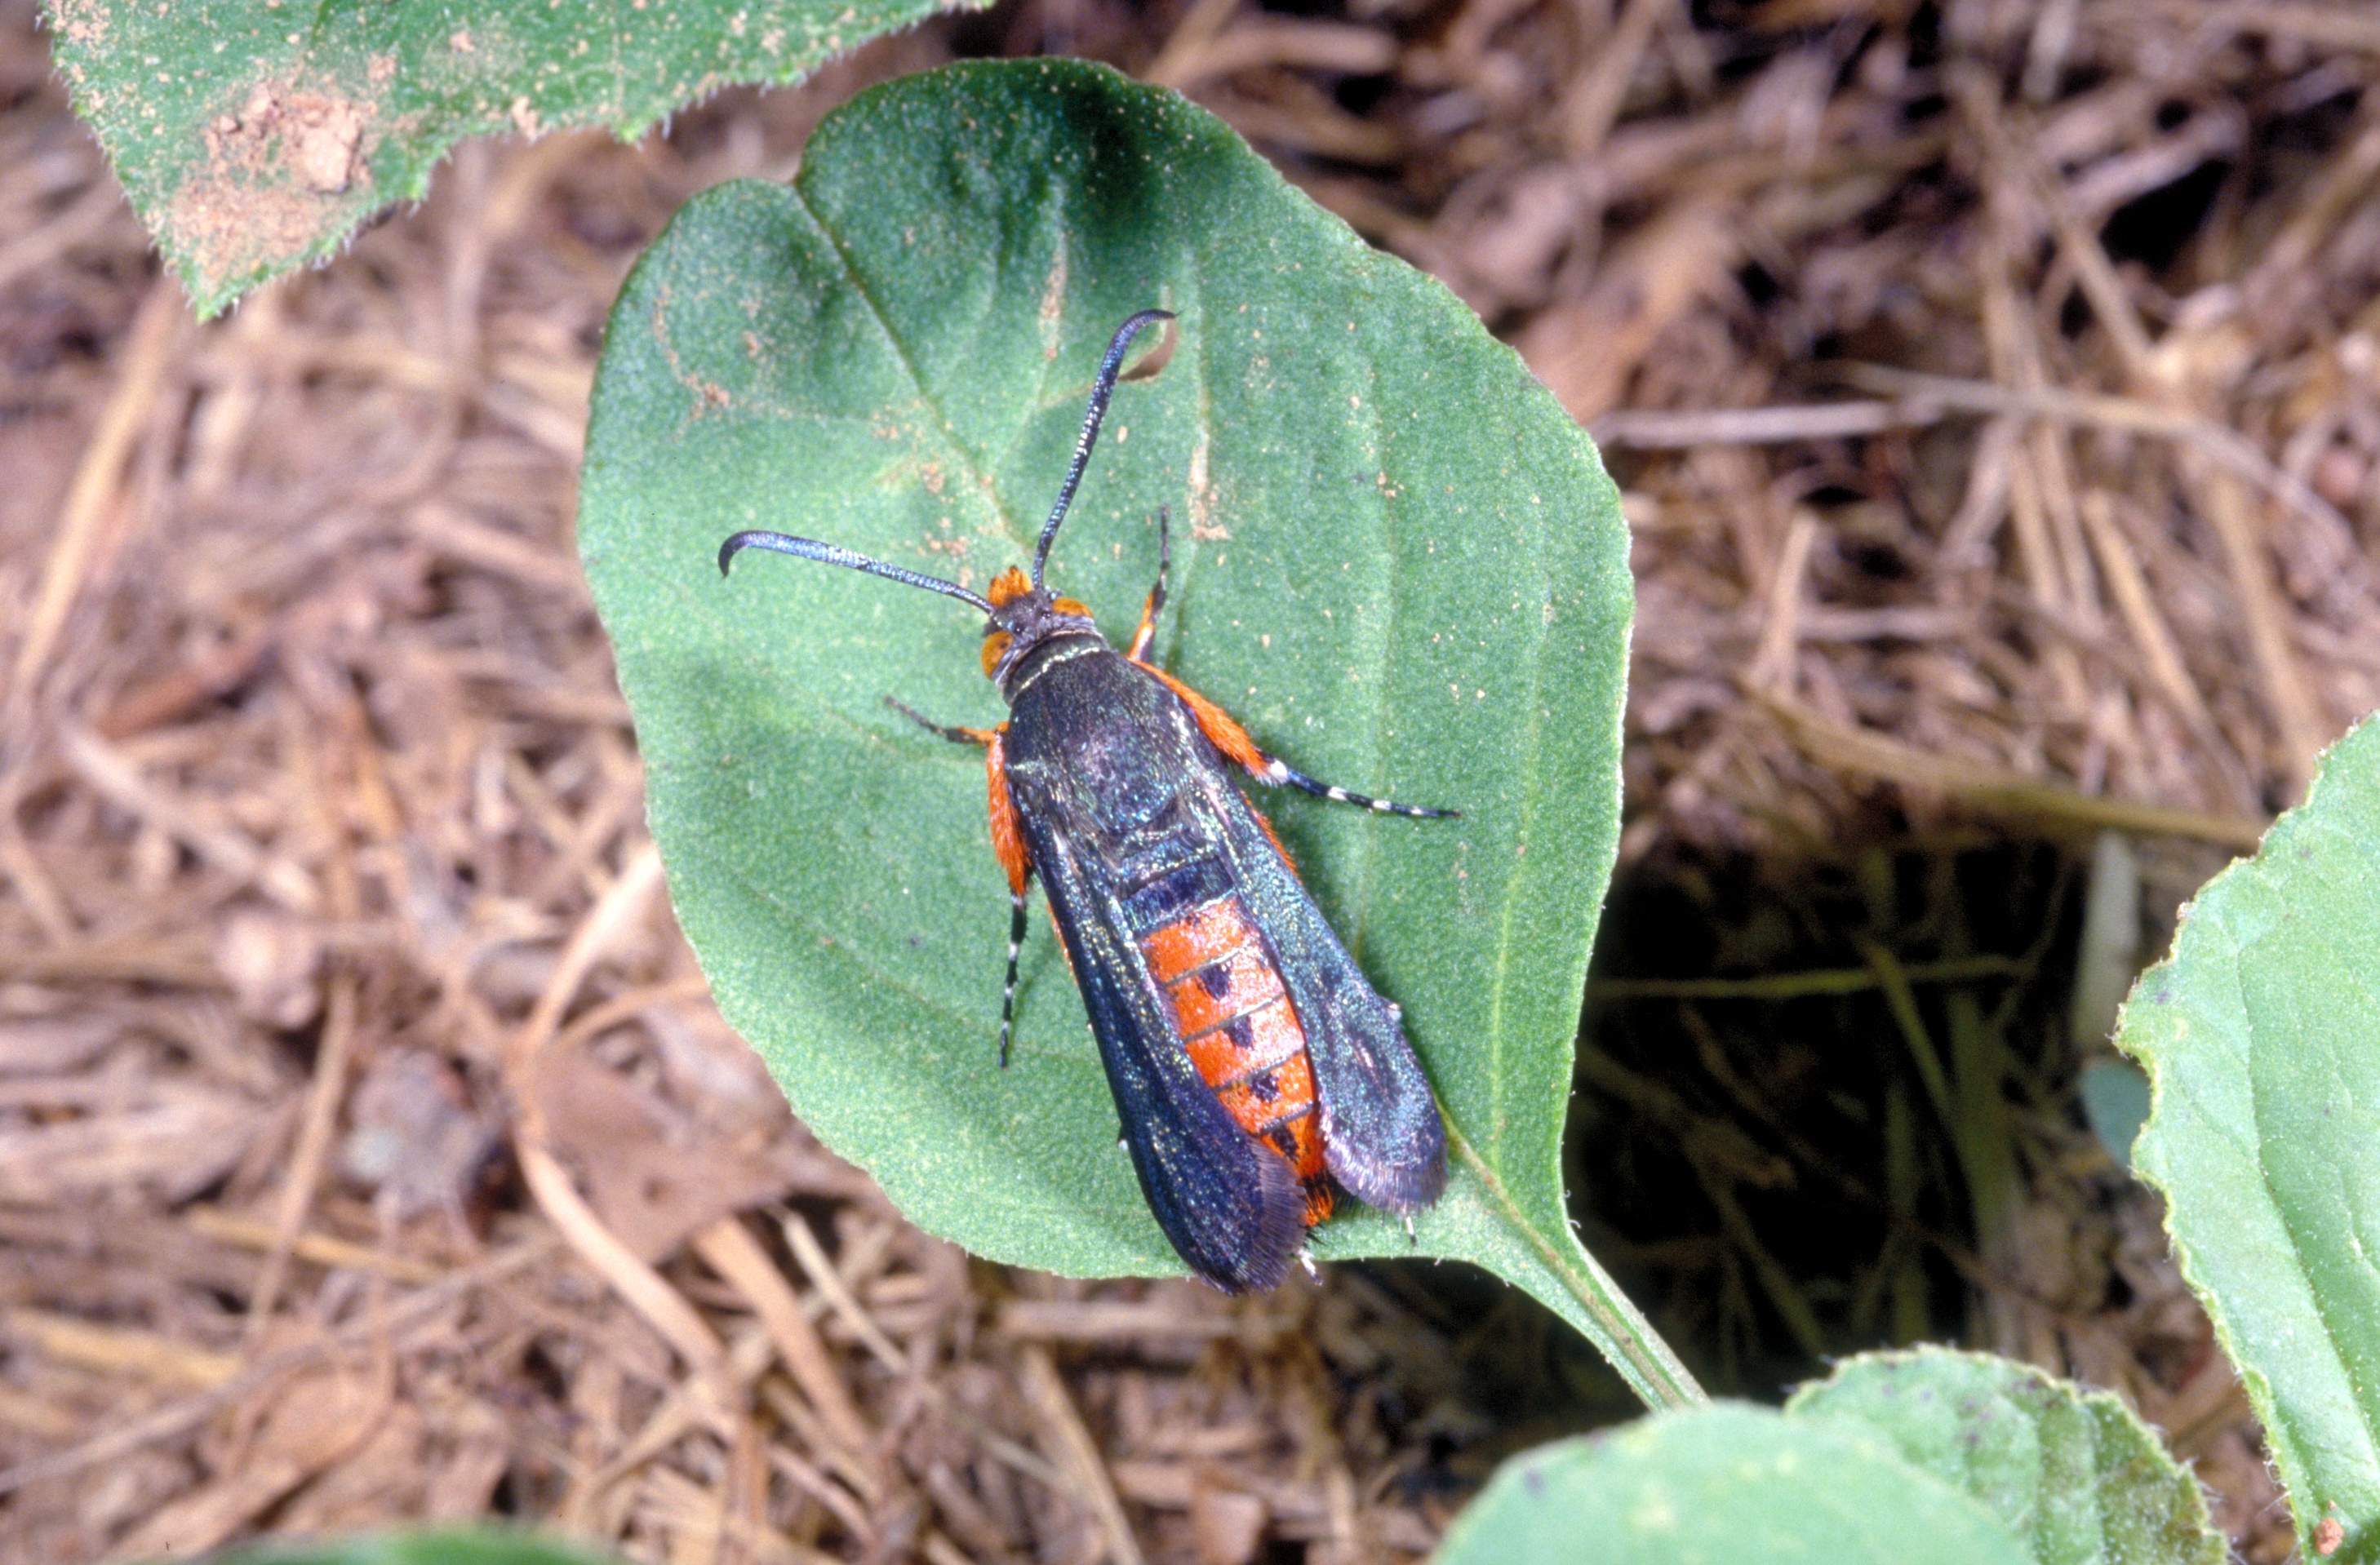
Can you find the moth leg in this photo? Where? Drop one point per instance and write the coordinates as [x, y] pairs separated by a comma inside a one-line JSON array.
[[1225, 733], [1007, 845], [955, 735], [1220, 729], [1280, 773], [1016, 861], [1016, 923], [1156, 601]]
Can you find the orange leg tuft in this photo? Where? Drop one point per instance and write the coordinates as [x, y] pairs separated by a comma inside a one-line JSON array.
[[1007, 832], [1220, 729]]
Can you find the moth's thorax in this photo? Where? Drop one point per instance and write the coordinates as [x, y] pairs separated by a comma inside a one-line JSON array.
[[1057, 643]]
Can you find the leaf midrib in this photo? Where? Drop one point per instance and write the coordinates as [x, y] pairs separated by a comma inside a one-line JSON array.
[[952, 444], [1533, 751]]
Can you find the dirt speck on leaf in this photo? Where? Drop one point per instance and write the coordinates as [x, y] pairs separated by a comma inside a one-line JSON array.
[[324, 146], [273, 168], [1053, 304], [707, 393], [1203, 525], [83, 23]]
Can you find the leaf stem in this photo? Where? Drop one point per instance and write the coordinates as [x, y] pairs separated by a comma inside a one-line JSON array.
[[1590, 1300]]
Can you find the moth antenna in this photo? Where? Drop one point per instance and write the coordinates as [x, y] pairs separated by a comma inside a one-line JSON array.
[[828, 554], [1101, 390]]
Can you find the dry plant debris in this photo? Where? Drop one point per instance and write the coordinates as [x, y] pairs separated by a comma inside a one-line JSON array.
[[1995, 389]]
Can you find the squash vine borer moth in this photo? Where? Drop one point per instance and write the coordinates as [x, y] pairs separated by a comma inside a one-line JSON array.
[[1252, 1064]]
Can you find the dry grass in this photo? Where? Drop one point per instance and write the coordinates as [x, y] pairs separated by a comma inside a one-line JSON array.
[[1996, 387]]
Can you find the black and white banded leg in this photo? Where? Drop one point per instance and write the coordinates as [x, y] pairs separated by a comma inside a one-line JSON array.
[[1280, 774], [1016, 925]]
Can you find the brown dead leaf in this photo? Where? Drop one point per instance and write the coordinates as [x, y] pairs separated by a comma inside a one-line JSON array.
[[1226, 1524], [308, 1423], [650, 1175], [178, 1141], [35, 1046], [1586, 350], [274, 964]]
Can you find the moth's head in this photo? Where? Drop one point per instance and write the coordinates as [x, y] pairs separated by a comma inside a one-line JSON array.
[[1022, 616]]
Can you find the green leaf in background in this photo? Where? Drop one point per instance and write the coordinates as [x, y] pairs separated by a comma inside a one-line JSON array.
[[1396, 560], [2261, 1034], [2075, 1475], [1725, 1483], [443, 1546], [252, 135]]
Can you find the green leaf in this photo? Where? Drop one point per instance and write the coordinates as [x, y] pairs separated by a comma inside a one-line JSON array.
[[2075, 1475], [1724, 1482], [1397, 562], [252, 135], [2261, 1034], [443, 1546]]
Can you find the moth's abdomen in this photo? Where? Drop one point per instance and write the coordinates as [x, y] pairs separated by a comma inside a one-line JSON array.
[[1234, 1014]]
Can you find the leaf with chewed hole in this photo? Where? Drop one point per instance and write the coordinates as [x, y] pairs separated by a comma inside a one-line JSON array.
[[1396, 560], [253, 136]]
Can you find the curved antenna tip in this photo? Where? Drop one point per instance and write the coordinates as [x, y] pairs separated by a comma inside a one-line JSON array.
[[1102, 388]]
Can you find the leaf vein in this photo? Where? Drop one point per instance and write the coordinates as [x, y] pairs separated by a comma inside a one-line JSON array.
[[953, 446]]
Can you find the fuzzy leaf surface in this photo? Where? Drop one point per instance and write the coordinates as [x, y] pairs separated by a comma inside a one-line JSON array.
[[2261, 1035], [252, 137], [2073, 1473], [1725, 1482]]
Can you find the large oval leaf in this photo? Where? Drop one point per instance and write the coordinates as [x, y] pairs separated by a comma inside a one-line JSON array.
[[252, 135], [1396, 560], [2262, 1038]]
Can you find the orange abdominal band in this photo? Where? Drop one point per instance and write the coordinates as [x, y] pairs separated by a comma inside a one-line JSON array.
[[1243, 1036]]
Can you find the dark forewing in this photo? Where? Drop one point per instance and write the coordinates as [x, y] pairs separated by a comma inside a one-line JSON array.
[[1381, 1134], [1230, 1205]]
